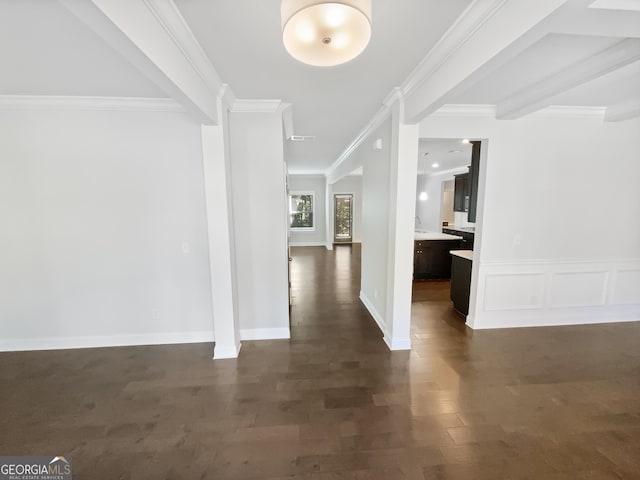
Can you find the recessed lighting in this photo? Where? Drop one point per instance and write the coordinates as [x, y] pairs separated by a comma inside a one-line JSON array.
[[455, 151], [435, 165], [423, 196], [466, 140]]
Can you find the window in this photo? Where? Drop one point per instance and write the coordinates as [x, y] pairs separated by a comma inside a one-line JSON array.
[[301, 211]]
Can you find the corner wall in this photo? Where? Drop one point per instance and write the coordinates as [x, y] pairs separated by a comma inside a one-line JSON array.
[[558, 232]]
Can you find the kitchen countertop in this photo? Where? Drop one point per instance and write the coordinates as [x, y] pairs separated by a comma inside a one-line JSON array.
[[466, 254], [423, 235], [461, 229]]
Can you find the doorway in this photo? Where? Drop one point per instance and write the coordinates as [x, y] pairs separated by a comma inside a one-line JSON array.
[[343, 219]]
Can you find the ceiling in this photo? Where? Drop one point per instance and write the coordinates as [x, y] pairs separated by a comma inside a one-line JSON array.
[[45, 50], [579, 57], [448, 154], [243, 41]]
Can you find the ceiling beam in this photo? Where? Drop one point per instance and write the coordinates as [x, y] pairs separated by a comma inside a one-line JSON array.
[[596, 22], [539, 95], [487, 35], [153, 36], [623, 111]]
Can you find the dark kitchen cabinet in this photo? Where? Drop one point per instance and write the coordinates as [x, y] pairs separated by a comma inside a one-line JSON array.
[[467, 237], [431, 258], [460, 283], [474, 172], [461, 193]]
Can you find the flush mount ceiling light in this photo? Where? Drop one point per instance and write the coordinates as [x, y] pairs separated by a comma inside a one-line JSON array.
[[325, 34]]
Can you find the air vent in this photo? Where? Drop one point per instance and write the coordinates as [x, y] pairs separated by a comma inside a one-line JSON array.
[[302, 138]]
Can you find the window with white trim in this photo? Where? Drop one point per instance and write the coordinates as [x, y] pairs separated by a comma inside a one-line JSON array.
[[301, 209]]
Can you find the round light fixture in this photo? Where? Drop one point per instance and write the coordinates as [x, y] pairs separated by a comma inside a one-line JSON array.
[[325, 34], [435, 165], [423, 196]]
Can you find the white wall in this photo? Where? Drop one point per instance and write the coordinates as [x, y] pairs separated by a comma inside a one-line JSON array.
[[375, 221], [261, 223], [104, 238], [351, 184], [388, 189], [429, 211], [558, 232], [315, 184]]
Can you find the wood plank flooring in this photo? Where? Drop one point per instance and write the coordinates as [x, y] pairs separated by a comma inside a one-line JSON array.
[[334, 403]]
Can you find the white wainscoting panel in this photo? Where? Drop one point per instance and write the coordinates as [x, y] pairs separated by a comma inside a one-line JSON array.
[[552, 292], [626, 287], [513, 291], [579, 289]]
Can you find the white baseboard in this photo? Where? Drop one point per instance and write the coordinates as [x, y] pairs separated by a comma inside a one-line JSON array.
[[374, 313], [61, 343], [222, 351], [264, 333], [306, 244], [398, 343]]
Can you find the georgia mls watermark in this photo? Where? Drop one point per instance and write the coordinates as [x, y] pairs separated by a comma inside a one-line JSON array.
[[35, 468]]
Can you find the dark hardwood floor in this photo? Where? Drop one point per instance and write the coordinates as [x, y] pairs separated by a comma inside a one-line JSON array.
[[334, 403]]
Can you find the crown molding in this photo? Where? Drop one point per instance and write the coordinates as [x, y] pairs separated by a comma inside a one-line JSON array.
[[569, 111], [623, 111], [124, 104], [174, 24], [258, 106], [471, 19], [226, 97], [465, 110]]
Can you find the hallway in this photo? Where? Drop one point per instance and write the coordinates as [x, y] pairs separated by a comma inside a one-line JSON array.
[[334, 403]]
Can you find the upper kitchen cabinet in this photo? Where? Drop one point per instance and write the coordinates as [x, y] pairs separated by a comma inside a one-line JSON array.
[[461, 193], [474, 172]]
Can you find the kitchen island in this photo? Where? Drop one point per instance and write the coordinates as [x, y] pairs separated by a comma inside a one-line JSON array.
[[431, 259]]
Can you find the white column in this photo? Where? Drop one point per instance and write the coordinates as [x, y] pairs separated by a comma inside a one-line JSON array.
[[402, 177], [221, 245]]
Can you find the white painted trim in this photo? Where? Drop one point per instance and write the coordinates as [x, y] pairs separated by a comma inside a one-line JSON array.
[[329, 246], [258, 106], [559, 262], [398, 343], [623, 111], [307, 244], [374, 313], [465, 110], [471, 19], [290, 213], [537, 96], [264, 333], [222, 352], [381, 115], [630, 5], [174, 24], [551, 304], [226, 96], [557, 319], [569, 111], [305, 173], [53, 102], [61, 343]]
